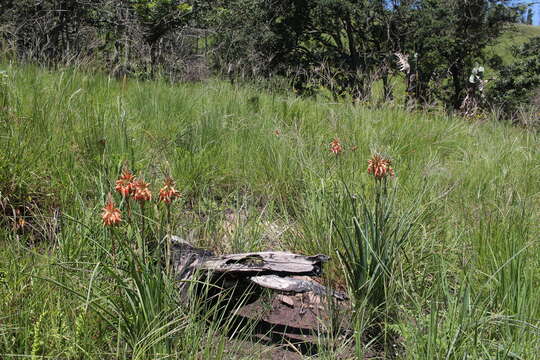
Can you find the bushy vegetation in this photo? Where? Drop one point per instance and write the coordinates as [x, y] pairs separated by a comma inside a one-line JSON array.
[[508, 40], [442, 256], [519, 83], [426, 49]]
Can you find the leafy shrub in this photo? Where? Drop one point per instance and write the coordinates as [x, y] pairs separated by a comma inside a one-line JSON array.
[[518, 81]]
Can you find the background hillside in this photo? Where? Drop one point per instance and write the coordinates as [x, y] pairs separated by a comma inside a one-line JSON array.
[[517, 36]]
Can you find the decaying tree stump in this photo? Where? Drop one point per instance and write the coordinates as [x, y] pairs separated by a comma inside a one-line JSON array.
[[273, 270], [289, 318]]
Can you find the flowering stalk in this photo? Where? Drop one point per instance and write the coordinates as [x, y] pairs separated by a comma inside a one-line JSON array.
[[110, 213], [335, 147], [168, 244], [125, 185], [111, 216], [142, 194], [371, 234], [167, 194], [380, 168]]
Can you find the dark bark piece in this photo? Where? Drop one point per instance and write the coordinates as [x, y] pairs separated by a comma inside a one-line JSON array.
[[186, 259]]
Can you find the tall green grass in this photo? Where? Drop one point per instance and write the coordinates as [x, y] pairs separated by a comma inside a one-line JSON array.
[[466, 284]]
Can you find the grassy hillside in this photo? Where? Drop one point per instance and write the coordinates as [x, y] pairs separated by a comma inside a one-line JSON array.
[[464, 285], [515, 36]]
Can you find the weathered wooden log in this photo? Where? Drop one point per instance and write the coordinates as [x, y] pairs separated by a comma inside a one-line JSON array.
[[270, 269], [270, 262], [292, 285]]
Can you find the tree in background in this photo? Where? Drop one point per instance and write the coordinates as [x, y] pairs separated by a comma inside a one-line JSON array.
[[124, 35], [159, 18], [47, 30], [342, 46], [517, 83], [346, 46], [447, 39], [529, 20]]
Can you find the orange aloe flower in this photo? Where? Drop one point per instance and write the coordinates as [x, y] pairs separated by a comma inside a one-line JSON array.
[[380, 167], [335, 147], [111, 215], [168, 193], [142, 192], [125, 183]]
